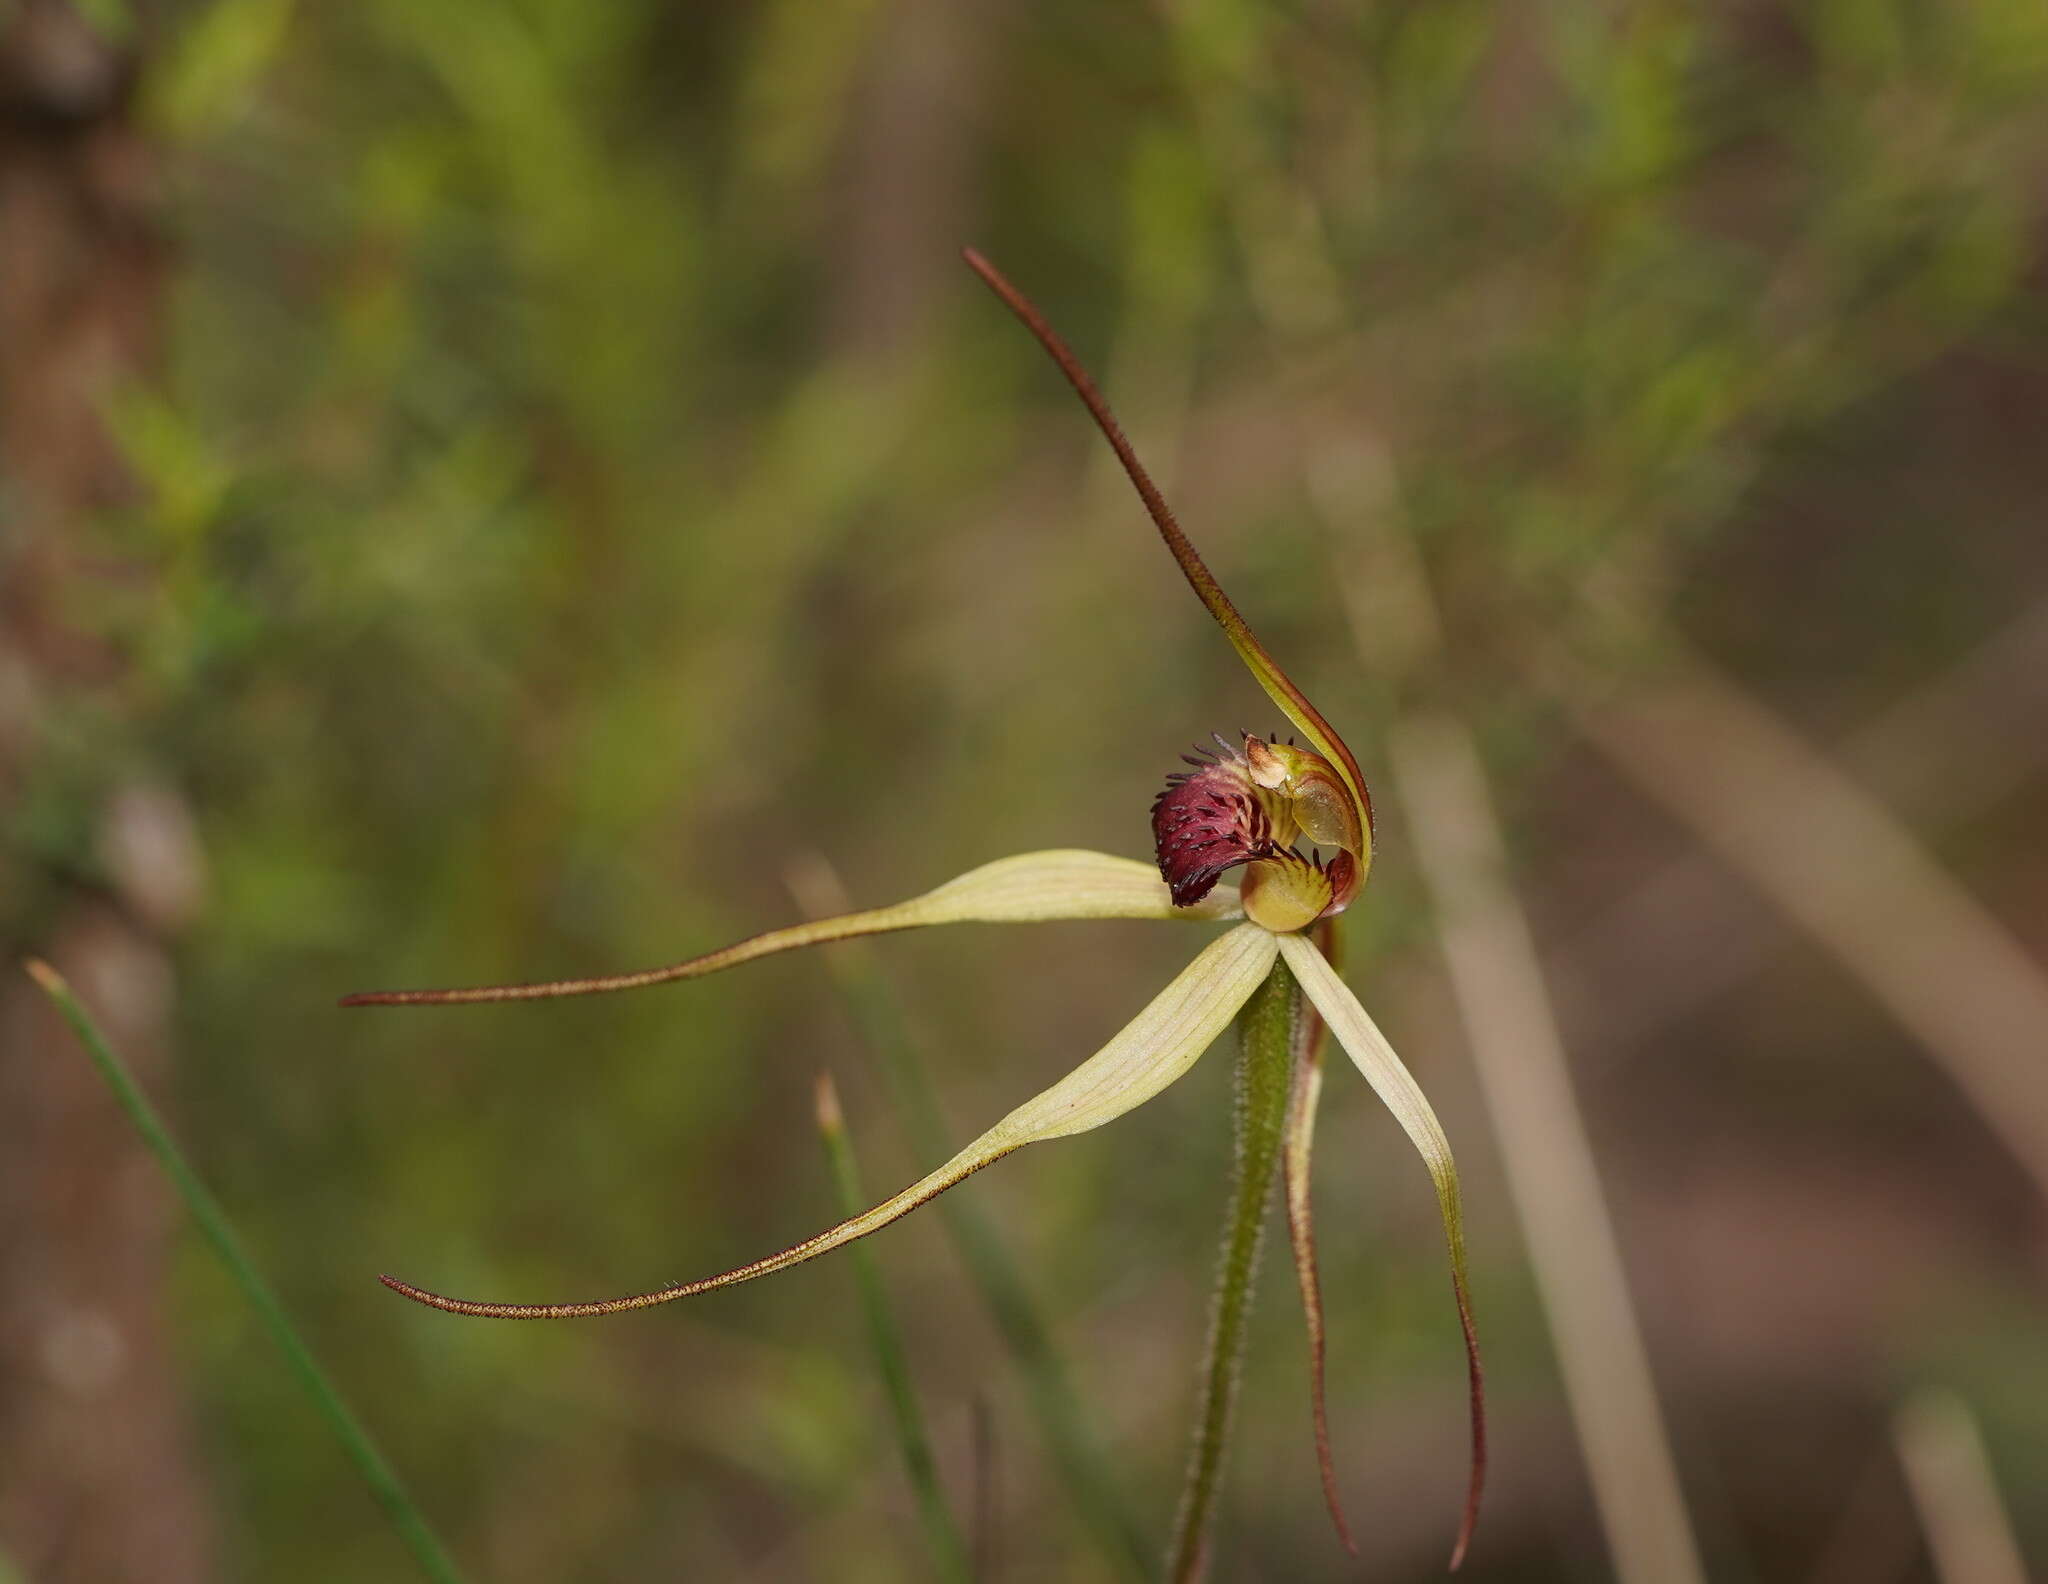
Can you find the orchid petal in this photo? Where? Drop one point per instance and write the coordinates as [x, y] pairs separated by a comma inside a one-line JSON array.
[[1264, 668], [1159, 1045], [1297, 1149], [1063, 883], [1392, 1082]]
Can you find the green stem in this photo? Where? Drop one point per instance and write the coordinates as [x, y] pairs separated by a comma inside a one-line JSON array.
[[1093, 1484], [1265, 1030], [949, 1551], [212, 1221]]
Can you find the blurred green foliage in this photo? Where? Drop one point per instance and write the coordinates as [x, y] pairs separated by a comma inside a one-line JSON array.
[[580, 476]]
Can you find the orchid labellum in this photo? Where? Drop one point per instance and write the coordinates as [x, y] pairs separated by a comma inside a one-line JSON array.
[[1245, 809]]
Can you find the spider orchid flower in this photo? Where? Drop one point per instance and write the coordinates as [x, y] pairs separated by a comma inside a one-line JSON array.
[[1245, 806]]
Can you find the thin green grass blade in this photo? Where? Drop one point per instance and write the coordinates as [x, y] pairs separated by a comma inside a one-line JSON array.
[[1265, 1062], [941, 1533], [1094, 1484], [982, 1545], [404, 1515]]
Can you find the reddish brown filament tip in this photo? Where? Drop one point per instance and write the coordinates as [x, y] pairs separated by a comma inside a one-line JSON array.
[[1475, 1374]]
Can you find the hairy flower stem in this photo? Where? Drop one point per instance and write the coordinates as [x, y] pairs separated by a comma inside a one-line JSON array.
[[1265, 1059]]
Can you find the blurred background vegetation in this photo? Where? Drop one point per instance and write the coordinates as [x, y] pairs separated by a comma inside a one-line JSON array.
[[489, 484]]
